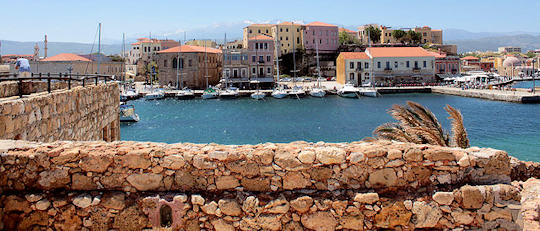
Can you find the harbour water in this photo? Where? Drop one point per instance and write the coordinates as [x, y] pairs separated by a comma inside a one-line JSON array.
[[512, 127], [526, 84]]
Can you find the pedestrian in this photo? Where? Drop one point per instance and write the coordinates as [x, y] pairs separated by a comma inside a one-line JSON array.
[[23, 66]]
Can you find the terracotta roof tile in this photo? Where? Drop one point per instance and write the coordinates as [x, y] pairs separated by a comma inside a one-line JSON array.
[[261, 37], [437, 54], [319, 24], [470, 58], [290, 23], [346, 30], [353, 55], [397, 52], [190, 49], [66, 57]]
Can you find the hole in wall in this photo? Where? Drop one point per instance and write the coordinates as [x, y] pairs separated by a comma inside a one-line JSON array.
[[165, 216]]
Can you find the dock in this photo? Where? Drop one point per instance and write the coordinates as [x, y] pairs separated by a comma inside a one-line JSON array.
[[497, 95]]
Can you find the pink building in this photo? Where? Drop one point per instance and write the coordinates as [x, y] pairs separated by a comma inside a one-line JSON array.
[[261, 56], [324, 34]]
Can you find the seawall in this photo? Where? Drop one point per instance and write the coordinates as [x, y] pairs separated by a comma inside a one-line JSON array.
[[71, 185], [497, 95], [81, 113]]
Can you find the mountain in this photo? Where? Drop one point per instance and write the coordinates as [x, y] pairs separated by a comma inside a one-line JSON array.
[[54, 48], [459, 34], [525, 41]]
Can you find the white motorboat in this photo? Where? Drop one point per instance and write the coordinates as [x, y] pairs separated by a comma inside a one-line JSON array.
[[158, 94], [258, 95], [279, 93], [210, 93], [369, 92], [127, 113], [348, 91], [185, 93], [128, 95], [317, 92], [297, 92], [229, 93]]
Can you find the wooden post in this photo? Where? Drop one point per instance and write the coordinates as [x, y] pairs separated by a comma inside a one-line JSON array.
[[83, 80], [96, 79], [69, 81], [20, 88]]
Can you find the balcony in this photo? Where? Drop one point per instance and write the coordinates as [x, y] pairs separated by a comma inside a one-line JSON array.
[[359, 69], [388, 69], [416, 69]]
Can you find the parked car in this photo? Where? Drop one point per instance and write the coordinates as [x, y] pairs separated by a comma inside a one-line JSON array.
[[321, 79], [286, 80], [307, 79], [299, 79]]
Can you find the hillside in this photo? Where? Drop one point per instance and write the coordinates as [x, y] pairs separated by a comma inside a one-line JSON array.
[[525, 41], [15, 47]]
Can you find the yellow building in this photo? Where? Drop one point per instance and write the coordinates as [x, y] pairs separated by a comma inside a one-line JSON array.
[[202, 43], [254, 30], [289, 35], [429, 35], [386, 35]]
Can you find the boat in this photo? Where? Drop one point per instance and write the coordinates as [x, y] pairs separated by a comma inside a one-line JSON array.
[[127, 113], [348, 91], [258, 95], [279, 93], [297, 92], [229, 93], [128, 95], [156, 94], [317, 91], [369, 92], [210, 93], [185, 93]]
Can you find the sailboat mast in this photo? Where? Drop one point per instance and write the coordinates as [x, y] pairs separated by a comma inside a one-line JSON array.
[[206, 64], [177, 66], [225, 59], [293, 52], [99, 48], [276, 48], [124, 56], [318, 67]]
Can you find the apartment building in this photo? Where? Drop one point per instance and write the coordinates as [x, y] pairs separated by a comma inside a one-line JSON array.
[[289, 36], [385, 65], [509, 49], [429, 35], [320, 35], [190, 64], [446, 64], [73, 63], [145, 49], [255, 30]]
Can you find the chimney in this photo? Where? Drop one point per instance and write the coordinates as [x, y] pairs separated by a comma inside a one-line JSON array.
[[45, 48]]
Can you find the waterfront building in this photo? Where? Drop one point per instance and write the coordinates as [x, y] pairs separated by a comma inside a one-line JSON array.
[[470, 63], [253, 64], [191, 64], [326, 35], [509, 49], [289, 36], [363, 33], [255, 30], [202, 43], [145, 49], [446, 64], [510, 66], [429, 35], [386, 65], [386, 35], [73, 63]]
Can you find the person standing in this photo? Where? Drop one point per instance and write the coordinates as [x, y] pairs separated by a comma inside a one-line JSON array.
[[23, 66]]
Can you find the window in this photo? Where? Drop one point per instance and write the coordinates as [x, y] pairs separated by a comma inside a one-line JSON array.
[[253, 58], [366, 65], [280, 29], [359, 65], [268, 71], [265, 46], [165, 63], [287, 38], [379, 65], [351, 65], [286, 29], [268, 58], [297, 40], [280, 38], [253, 71], [351, 76], [189, 62], [267, 31], [395, 64], [250, 31], [425, 64], [261, 58], [387, 65], [297, 29], [415, 64], [259, 31], [408, 64]]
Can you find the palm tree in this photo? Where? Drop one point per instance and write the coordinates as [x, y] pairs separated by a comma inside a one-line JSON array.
[[417, 124]]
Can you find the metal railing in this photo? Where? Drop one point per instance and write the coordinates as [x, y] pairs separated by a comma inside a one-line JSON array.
[[65, 77]]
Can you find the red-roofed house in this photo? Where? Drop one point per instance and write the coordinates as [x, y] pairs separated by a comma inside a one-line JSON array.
[[190, 62], [68, 62], [386, 65], [66, 57], [321, 35], [446, 64]]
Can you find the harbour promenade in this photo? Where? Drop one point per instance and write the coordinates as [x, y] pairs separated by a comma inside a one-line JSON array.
[[497, 95]]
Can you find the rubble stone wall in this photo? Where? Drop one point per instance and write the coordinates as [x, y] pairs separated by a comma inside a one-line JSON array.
[[11, 88], [93, 185], [82, 113]]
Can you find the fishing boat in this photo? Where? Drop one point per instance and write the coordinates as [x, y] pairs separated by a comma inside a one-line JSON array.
[[210, 93], [229, 93], [348, 91], [185, 93], [317, 91], [127, 113]]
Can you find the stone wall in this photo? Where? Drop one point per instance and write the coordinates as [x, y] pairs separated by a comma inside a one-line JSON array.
[[82, 113], [297, 186], [11, 88]]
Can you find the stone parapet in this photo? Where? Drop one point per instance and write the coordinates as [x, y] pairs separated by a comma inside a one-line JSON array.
[[82, 113], [137, 166], [468, 207]]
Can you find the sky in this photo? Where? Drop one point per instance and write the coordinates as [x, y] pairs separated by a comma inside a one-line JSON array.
[[77, 20]]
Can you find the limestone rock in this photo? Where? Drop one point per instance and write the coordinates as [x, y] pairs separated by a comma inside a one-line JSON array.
[[357, 157], [221, 225], [43, 204], [306, 156], [15, 203], [135, 160], [392, 216], [227, 182], [173, 162], [256, 184], [443, 198], [200, 162], [229, 207], [286, 161], [114, 200], [82, 201], [302, 204], [462, 218], [82, 182], [57, 178], [383, 177], [145, 181], [472, 197], [269, 222], [294, 180], [319, 221], [394, 154], [95, 162], [352, 222], [197, 200], [330, 155], [439, 154], [33, 197], [250, 205], [277, 206], [498, 213], [413, 154], [427, 215], [366, 198], [210, 208]]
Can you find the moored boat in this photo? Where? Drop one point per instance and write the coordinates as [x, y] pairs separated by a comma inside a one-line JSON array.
[[229, 93], [297, 92], [348, 91], [185, 93], [157, 94], [258, 95], [210, 93], [127, 113]]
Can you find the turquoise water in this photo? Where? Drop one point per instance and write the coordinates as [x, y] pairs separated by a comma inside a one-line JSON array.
[[526, 84], [508, 126]]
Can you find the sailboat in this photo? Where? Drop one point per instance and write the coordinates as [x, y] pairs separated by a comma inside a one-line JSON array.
[[278, 92], [317, 91], [258, 94], [348, 91], [296, 91], [185, 92], [209, 93], [368, 90]]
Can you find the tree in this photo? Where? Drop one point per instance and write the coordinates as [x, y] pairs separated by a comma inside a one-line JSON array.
[[374, 34], [398, 35], [346, 38], [414, 37], [530, 54], [417, 124]]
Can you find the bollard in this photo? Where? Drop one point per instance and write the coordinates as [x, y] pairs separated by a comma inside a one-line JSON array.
[[83, 80], [20, 88], [96, 79], [49, 82], [69, 81]]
